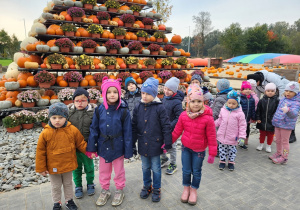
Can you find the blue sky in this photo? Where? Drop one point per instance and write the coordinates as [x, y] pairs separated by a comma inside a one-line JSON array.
[[223, 13]]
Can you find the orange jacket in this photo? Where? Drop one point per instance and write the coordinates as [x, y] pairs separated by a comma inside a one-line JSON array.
[[56, 149]]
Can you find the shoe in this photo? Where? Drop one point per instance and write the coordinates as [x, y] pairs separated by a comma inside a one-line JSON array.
[[244, 147], [280, 160], [145, 192], [104, 196], [71, 205], [185, 194], [171, 169], [118, 198], [57, 206], [268, 149], [164, 162], [275, 155], [155, 195], [78, 192], [260, 147], [292, 137], [193, 196], [222, 165], [90, 189], [231, 166]]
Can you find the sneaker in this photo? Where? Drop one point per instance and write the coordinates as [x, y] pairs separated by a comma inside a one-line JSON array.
[[57, 206], [171, 169], [244, 147], [78, 192], [222, 166], [260, 147], [118, 198], [71, 205], [104, 196], [268, 148], [164, 162], [280, 160], [231, 166], [156, 195], [275, 155], [90, 189], [145, 192]]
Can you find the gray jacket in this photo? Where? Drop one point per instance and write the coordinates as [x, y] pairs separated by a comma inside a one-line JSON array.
[[219, 102], [132, 100]]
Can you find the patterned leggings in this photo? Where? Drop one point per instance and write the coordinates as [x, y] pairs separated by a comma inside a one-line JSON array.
[[227, 150]]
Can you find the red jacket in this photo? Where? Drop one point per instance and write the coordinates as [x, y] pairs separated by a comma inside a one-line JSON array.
[[198, 133]]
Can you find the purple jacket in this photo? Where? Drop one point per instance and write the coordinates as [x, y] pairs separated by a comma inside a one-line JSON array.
[[287, 120]]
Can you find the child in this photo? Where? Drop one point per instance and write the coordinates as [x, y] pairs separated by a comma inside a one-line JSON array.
[[196, 79], [265, 111], [80, 115], [199, 132], [172, 102], [284, 120], [248, 107], [132, 95], [253, 93], [111, 138], [56, 154], [232, 129], [207, 97], [151, 127]]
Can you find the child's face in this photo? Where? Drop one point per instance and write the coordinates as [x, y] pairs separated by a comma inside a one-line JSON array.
[[112, 95], [131, 87], [195, 82], [206, 102], [246, 91], [289, 94], [57, 121], [81, 102], [168, 92], [147, 98], [270, 93], [232, 103], [196, 105]]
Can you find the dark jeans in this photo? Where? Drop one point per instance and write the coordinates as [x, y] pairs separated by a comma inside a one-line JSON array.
[[191, 164], [148, 164]]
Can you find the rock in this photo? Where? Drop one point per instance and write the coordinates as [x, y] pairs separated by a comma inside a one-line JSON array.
[[15, 182], [9, 175], [25, 184], [7, 187]]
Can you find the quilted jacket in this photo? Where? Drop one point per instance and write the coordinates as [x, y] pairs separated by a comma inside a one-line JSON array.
[[248, 107]]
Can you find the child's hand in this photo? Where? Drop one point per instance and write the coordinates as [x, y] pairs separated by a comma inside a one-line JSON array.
[[211, 159], [258, 121], [285, 109], [241, 142], [91, 155], [44, 173]]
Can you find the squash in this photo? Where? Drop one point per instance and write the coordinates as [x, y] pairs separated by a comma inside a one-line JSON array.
[[18, 103], [136, 25], [176, 53], [162, 52], [61, 17], [5, 104], [206, 79], [55, 17], [53, 101], [146, 52], [101, 49], [95, 8], [69, 3], [102, 66], [129, 12], [42, 102], [149, 3], [58, 2], [142, 14], [149, 14], [78, 4], [40, 30], [117, 66], [103, 8], [154, 27], [66, 66], [92, 66], [124, 50], [78, 50], [12, 85], [169, 29], [54, 49], [43, 48], [31, 65], [157, 15]]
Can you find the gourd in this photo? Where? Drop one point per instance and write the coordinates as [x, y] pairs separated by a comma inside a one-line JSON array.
[[149, 14], [176, 53], [169, 29], [55, 17], [155, 27], [78, 4], [101, 49], [139, 66], [45, 10], [42, 102], [77, 66], [188, 65], [178, 66], [136, 25], [157, 15], [53, 101], [18, 103], [78, 50], [122, 11], [124, 50], [54, 49], [12, 85], [85, 20], [95, 8], [92, 66], [206, 79], [103, 8], [18, 55], [58, 2], [102, 66], [66, 66], [5, 104], [43, 48], [61, 17], [40, 30], [117, 66], [143, 14], [47, 16], [31, 65], [129, 11], [146, 52], [113, 23], [69, 3], [162, 52]]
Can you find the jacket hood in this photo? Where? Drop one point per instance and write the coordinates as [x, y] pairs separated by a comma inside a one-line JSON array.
[[207, 111], [178, 96], [155, 101], [296, 97]]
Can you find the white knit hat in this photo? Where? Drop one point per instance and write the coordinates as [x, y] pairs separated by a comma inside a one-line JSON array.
[[270, 86]]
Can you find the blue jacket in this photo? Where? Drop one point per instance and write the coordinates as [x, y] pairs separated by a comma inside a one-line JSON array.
[[151, 127], [173, 106], [248, 107], [287, 120], [108, 137], [132, 100]]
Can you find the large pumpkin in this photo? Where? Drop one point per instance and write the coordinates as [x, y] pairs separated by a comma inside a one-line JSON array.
[[176, 39]]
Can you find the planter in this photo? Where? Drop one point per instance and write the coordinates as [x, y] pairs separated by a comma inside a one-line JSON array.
[[67, 102], [76, 19], [132, 66], [73, 84], [31, 104], [94, 101], [14, 129], [99, 84], [69, 33], [136, 13], [141, 39], [84, 67], [182, 66], [159, 39], [104, 22], [148, 26], [88, 6], [27, 126], [112, 10], [45, 85], [160, 95], [120, 37], [150, 67], [65, 49], [44, 124], [154, 52], [56, 66], [167, 66], [96, 36], [89, 50], [113, 51], [111, 67], [128, 24], [169, 53], [181, 80], [135, 52]]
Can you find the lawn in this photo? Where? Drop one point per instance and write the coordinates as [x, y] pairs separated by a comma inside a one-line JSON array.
[[5, 62]]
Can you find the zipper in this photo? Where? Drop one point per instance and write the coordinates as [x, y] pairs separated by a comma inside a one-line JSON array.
[[267, 114], [227, 124], [247, 109]]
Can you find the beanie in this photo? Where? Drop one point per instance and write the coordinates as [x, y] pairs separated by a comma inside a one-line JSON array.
[[207, 96], [81, 91], [292, 86], [107, 83], [129, 80], [195, 93], [234, 95], [150, 86], [173, 84], [59, 109], [252, 83], [270, 86], [246, 84], [223, 84], [196, 77]]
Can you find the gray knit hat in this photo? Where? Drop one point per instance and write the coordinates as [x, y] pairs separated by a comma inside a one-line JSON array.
[[58, 109], [173, 84], [292, 86], [197, 77], [223, 84]]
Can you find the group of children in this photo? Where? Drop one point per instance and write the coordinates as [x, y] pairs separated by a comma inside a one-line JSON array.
[[142, 123]]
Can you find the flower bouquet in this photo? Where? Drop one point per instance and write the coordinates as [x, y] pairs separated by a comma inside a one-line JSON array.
[[94, 95], [109, 62], [165, 75], [144, 75], [84, 61], [73, 78], [89, 46], [150, 63], [29, 97], [44, 78], [128, 19], [76, 13], [64, 44], [148, 22], [27, 118], [95, 31], [113, 46], [69, 29], [66, 95], [103, 17], [56, 60], [112, 5], [135, 47], [154, 48]]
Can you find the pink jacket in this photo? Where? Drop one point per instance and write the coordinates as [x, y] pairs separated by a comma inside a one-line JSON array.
[[254, 95], [198, 133], [232, 126]]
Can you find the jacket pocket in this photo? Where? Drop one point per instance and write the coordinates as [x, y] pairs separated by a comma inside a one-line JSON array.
[[64, 150]]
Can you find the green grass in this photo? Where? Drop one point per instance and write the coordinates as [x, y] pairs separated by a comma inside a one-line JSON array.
[[5, 62]]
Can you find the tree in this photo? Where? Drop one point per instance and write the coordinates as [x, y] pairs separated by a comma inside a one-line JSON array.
[[218, 51], [185, 43], [211, 40], [257, 39], [164, 8], [8, 45]]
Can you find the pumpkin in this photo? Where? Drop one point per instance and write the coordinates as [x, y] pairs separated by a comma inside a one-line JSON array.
[[139, 81], [54, 49], [161, 27], [176, 39], [176, 53], [51, 43], [63, 83], [124, 50], [31, 47], [43, 101], [43, 48], [92, 82], [21, 61], [84, 83], [18, 103], [5, 104], [53, 101], [31, 82], [12, 85], [54, 97], [101, 50], [36, 58]]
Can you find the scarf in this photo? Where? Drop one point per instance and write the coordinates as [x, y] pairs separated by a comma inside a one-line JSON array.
[[193, 115], [133, 93], [226, 90]]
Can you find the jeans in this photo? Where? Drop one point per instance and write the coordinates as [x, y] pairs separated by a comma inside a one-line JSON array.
[[191, 164], [148, 164]]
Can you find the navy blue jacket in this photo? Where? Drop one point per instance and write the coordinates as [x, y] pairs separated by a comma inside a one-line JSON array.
[[109, 137], [248, 106], [151, 127], [173, 106]]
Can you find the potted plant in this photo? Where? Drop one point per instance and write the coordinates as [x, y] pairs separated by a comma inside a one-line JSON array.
[[132, 62], [69, 29], [128, 20], [56, 61], [167, 62], [98, 78], [142, 35], [42, 116], [113, 46], [84, 61], [119, 33], [89, 46], [181, 75], [94, 95], [11, 123], [103, 17], [123, 76], [148, 22], [76, 13], [44, 78], [66, 95], [182, 61], [27, 118], [144, 75], [154, 48], [160, 91], [136, 9], [95, 30], [29, 97], [109, 62], [89, 4], [159, 35], [165, 75], [150, 63], [112, 5], [65, 44], [73, 78], [135, 47], [169, 49]]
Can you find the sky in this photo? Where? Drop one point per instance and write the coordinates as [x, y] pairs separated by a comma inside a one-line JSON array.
[[223, 13]]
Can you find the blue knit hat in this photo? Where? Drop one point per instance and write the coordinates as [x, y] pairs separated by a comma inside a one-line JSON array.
[[234, 95], [173, 84], [128, 80], [59, 109], [81, 91], [197, 77], [150, 86], [223, 84]]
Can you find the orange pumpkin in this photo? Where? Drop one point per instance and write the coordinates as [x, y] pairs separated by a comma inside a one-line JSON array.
[[31, 82], [176, 39], [50, 31], [21, 61], [88, 77], [69, 60], [68, 17], [152, 39], [97, 61], [133, 37], [54, 97], [36, 58], [139, 81], [63, 83], [166, 39], [31, 47], [22, 76], [46, 97], [23, 83], [92, 82], [111, 36], [162, 27], [84, 83], [59, 32], [51, 42]]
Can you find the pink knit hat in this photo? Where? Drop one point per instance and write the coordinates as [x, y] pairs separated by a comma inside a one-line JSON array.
[[107, 83], [270, 86], [195, 92], [246, 84]]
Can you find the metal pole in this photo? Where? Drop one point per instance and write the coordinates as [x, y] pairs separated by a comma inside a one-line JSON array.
[[25, 27], [189, 39]]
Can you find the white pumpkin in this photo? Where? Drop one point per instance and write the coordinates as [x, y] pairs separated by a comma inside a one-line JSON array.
[[176, 53], [12, 85], [58, 2], [54, 49], [42, 102], [26, 41], [5, 104], [42, 48], [49, 5], [101, 49], [162, 52], [18, 55], [53, 101], [102, 8], [78, 49], [69, 3], [149, 14], [40, 30], [129, 11], [12, 71], [47, 16], [78, 4], [124, 50], [146, 52], [157, 15]]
